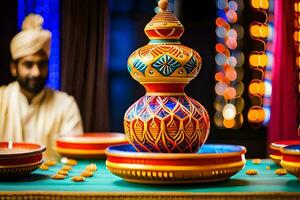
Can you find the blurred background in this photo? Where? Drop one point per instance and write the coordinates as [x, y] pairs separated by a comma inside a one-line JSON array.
[[93, 39]]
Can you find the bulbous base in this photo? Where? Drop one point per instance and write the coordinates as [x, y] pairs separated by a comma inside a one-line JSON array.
[[176, 124]]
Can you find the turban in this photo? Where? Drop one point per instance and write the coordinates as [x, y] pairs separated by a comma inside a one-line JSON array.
[[31, 39]]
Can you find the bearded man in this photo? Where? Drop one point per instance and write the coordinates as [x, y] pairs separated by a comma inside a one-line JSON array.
[[29, 111]]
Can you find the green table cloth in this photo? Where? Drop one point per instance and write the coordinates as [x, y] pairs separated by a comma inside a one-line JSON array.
[[265, 185]]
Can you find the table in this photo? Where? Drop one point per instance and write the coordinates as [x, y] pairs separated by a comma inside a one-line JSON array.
[[38, 185]]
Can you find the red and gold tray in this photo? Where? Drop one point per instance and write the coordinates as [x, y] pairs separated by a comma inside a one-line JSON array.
[[18, 159], [88, 145], [214, 162], [290, 160], [275, 149]]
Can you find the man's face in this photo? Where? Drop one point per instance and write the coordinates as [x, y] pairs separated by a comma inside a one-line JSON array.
[[32, 72]]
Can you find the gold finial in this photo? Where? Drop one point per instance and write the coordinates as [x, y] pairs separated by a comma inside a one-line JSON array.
[[163, 4]]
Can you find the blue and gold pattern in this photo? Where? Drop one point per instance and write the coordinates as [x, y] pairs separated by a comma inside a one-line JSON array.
[[167, 124]]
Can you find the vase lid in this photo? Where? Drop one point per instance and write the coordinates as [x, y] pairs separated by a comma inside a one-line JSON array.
[[164, 25]]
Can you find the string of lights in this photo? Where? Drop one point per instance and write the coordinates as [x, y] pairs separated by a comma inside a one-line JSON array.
[[229, 59], [297, 46], [260, 61]]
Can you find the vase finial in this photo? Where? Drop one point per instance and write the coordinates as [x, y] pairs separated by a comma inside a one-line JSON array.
[[163, 4]]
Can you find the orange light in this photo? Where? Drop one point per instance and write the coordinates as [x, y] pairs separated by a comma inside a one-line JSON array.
[[262, 88], [220, 47], [260, 4], [254, 88], [220, 22], [259, 31], [257, 88], [228, 123], [258, 60], [219, 76], [297, 36], [256, 114], [229, 93], [230, 74], [260, 115]]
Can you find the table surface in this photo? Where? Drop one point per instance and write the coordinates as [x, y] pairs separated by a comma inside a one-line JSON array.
[[265, 185]]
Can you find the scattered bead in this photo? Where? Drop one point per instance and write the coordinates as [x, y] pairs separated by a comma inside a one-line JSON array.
[[71, 162], [91, 167], [66, 167], [63, 172], [58, 176], [280, 172], [44, 167], [78, 178], [251, 172], [50, 163], [268, 167], [87, 173]]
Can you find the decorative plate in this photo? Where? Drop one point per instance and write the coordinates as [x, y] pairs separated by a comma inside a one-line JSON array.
[[18, 159], [291, 159], [213, 162], [275, 149], [88, 145]]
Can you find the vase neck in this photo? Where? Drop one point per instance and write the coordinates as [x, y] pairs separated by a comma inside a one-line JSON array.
[[164, 89], [164, 41]]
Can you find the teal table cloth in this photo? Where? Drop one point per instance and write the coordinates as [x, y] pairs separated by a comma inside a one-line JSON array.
[[265, 185]]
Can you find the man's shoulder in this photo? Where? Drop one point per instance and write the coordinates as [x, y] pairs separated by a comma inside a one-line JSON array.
[[60, 96], [9, 87]]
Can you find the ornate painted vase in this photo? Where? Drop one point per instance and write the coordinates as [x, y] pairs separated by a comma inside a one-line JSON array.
[[165, 119]]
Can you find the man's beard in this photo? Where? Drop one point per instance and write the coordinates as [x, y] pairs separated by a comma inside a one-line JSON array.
[[32, 84]]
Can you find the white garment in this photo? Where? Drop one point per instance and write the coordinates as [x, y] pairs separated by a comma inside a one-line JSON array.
[[50, 114]]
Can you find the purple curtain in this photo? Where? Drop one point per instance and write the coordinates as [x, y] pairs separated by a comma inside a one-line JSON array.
[[284, 108]]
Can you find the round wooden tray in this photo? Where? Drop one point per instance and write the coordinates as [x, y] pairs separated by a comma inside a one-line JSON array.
[[214, 162]]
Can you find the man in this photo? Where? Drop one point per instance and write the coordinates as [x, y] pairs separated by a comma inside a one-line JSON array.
[[29, 111]]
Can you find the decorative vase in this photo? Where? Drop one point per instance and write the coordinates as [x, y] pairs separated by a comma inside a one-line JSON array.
[[165, 119]]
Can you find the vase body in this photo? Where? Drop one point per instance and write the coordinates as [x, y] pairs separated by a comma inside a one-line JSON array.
[[165, 119]]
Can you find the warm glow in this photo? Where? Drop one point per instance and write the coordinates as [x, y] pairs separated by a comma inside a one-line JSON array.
[[229, 93], [298, 61], [228, 123], [257, 4], [229, 111], [220, 48], [256, 114], [230, 74], [220, 88], [297, 7], [258, 60], [220, 21], [297, 36], [261, 31], [257, 88], [219, 76], [231, 43]]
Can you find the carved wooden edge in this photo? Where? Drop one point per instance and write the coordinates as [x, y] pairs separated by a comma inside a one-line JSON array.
[[36, 195]]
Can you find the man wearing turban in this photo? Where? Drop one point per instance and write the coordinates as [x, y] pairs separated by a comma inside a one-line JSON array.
[[30, 112]]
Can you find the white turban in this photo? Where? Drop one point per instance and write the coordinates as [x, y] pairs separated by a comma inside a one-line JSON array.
[[31, 39]]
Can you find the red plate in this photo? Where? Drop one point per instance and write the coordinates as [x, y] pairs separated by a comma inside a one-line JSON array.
[[275, 149], [19, 158], [88, 145]]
